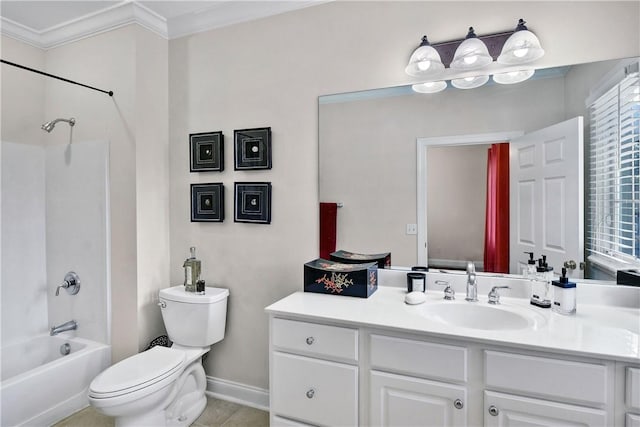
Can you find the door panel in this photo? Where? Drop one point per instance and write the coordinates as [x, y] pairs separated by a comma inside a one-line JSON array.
[[547, 200]]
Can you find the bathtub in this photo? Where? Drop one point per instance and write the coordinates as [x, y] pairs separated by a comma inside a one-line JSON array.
[[40, 386]]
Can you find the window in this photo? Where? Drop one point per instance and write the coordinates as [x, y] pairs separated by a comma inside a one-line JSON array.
[[613, 226]]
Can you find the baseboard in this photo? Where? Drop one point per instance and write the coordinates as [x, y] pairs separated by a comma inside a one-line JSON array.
[[238, 393]]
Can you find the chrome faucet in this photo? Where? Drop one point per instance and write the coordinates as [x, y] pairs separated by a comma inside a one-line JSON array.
[[67, 326], [472, 283]]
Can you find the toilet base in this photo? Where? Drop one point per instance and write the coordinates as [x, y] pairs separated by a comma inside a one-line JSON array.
[[182, 406]]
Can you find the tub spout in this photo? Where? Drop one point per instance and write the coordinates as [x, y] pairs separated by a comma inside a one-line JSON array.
[[67, 326]]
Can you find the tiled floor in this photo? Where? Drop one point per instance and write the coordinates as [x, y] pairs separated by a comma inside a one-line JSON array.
[[218, 413]]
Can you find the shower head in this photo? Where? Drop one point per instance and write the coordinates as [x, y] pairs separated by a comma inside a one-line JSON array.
[[48, 127]]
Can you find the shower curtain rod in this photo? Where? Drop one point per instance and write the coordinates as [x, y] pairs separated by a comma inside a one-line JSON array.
[[110, 93]]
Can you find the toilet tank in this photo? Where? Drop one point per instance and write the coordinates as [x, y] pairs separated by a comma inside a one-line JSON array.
[[194, 320]]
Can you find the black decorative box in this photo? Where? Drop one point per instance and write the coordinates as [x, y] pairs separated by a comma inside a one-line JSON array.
[[329, 277], [383, 260]]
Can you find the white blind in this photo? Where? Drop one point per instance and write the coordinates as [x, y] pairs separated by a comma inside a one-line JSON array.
[[613, 224]]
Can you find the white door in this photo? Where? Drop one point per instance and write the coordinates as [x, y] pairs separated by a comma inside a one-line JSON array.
[[546, 197], [504, 410], [402, 401]]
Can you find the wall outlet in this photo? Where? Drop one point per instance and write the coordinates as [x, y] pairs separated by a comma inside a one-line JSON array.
[[412, 229]]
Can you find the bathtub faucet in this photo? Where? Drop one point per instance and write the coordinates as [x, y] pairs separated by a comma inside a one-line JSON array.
[[67, 326]]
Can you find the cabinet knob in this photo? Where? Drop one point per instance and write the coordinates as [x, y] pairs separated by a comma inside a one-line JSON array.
[[310, 340], [458, 404], [310, 393], [493, 411]]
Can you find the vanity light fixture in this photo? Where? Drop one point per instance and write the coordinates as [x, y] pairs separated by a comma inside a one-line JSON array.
[[510, 49], [425, 61], [469, 82], [472, 53], [512, 77], [429, 87], [521, 47]]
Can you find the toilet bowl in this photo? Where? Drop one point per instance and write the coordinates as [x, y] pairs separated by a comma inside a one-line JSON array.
[[166, 386]]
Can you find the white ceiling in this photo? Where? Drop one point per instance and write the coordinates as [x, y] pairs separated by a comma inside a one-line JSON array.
[[50, 23]]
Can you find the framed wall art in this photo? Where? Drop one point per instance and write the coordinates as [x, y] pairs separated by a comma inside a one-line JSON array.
[[207, 151], [207, 202], [252, 202], [252, 148]]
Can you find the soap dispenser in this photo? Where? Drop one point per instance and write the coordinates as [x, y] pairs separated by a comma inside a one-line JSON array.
[[564, 295], [540, 285], [529, 270], [191, 271]]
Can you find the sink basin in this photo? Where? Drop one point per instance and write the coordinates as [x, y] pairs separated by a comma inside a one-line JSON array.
[[480, 315]]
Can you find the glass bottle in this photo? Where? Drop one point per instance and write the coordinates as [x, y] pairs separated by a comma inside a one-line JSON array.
[[191, 271]]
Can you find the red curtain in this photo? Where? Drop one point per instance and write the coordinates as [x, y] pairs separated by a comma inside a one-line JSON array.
[[496, 232], [328, 222]]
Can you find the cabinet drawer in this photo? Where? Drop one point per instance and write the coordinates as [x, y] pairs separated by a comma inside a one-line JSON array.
[[314, 339], [632, 398], [583, 383], [420, 358], [508, 410], [314, 391]]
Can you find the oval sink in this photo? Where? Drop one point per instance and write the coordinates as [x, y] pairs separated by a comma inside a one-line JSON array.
[[481, 315]]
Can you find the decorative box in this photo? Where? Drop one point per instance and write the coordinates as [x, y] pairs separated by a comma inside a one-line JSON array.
[[383, 260], [330, 277]]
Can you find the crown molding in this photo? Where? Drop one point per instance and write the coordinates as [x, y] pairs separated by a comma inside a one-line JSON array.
[[232, 12], [212, 15], [116, 16]]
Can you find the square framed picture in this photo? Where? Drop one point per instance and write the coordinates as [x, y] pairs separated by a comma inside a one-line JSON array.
[[207, 202], [252, 148], [207, 151], [252, 202]]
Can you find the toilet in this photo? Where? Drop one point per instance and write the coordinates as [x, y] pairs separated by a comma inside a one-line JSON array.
[[165, 386]]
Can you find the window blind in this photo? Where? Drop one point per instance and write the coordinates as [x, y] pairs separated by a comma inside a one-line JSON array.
[[613, 223]]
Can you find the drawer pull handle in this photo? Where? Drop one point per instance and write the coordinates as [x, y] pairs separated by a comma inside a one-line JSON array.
[[310, 393], [493, 411], [310, 340], [458, 404]]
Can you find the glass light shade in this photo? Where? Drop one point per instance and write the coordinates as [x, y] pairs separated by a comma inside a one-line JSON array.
[[429, 87], [512, 77], [469, 82], [471, 54], [523, 46], [425, 61]]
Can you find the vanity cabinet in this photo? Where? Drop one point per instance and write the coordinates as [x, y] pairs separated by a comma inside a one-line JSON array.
[[413, 383], [313, 374], [632, 396], [503, 410], [330, 368]]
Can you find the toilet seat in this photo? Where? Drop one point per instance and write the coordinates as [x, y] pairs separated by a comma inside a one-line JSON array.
[[152, 370]]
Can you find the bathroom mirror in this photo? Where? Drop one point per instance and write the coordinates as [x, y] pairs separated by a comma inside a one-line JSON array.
[[367, 154]]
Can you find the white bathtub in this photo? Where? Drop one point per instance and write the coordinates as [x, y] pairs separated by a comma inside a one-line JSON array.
[[40, 386]]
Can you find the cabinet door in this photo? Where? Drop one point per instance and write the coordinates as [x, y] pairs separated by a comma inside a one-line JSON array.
[[508, 410], [405, 401]]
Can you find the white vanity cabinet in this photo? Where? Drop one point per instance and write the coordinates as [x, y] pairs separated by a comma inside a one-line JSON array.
[[351, 362], [415, 383], [632, 396], [313, 374], [544, 391]]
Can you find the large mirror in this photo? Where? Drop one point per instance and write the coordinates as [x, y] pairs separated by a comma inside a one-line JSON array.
[[368, 149]]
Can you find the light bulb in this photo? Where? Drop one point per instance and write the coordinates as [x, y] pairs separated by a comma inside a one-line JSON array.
[[470, 59], [424, 65], [469, 79], [521, 52]]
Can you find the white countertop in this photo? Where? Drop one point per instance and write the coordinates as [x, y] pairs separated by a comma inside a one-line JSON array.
[[600, 331]]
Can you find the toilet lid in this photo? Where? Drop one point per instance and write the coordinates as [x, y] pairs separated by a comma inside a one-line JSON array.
[[137, 372]]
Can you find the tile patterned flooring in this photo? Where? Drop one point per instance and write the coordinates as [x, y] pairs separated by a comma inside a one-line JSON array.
[[218, 413]]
